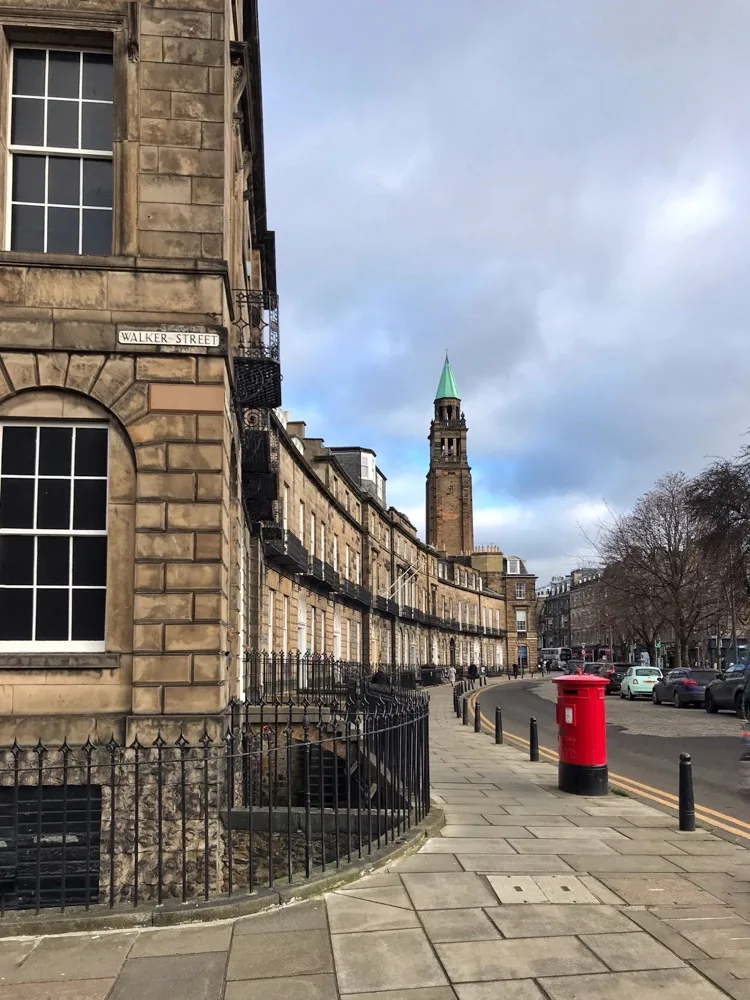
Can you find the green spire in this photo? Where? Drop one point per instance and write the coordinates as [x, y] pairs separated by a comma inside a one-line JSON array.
[[447, 388]]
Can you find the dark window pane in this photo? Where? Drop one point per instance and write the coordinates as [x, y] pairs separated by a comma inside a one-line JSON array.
[[52, 560], [19, 451], [27, 122], [16, 503], [90, 561], [97, 232], [90, 504], [16, 559], [27, 228], [97, 183], [54, 451], [28, 71], [64, 180], [88, 614], [51, 614], [64, 74], [15, 614], [98, 76], [96, 126], [91, 451], [62, 124], [28, 178], [53, 503], [62, 230]]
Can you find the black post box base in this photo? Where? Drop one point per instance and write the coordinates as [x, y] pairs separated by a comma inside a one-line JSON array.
[[583, 779]]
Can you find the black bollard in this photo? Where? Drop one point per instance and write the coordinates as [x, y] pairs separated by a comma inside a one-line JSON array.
[[477, 717], [498, 725], [687, 799], [465, 711], [533, 740]]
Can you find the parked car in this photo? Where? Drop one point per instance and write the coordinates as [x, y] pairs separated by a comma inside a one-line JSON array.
[[726, 691], [586, 667], [639, 682], [615, 673], [683, 687]]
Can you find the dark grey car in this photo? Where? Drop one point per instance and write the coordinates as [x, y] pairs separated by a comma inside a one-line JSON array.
[[727, 689], [683, 687]]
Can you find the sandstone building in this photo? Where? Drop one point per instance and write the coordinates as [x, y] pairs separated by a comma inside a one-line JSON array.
[[159, 516]]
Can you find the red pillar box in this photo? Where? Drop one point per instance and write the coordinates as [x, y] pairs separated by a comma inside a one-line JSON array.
[[582, 727]]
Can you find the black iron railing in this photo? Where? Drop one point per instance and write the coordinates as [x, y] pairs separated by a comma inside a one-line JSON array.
[[257, 372], [323, 572], [386, 605], [284, 548], [283, 792]]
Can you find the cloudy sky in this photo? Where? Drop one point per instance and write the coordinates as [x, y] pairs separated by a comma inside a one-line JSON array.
[[556, 191]]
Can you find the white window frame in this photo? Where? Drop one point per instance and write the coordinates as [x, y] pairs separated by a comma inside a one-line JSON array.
[[302, 521], [514, 566], [58, 645], [322, 535], [47, 151], [520, 591], [312, 532], [285, 507], [522, 621], [271, 611]]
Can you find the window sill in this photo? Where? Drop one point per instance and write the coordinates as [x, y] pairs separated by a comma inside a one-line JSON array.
[[59, 661]]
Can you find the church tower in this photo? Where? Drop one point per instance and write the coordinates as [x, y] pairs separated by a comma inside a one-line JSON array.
[[450, 521]]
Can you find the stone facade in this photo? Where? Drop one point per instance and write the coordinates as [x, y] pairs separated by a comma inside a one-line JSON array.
[[188, 228], [145, 339]]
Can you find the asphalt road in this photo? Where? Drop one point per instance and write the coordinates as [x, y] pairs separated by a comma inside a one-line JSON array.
[[644, 741]]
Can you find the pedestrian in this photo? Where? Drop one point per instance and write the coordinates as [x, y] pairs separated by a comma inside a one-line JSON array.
[[515, 670], [548, 664], [472, 674], [451, 675]]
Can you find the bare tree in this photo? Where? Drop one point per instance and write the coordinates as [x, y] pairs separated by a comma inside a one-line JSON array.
[[660, 568]]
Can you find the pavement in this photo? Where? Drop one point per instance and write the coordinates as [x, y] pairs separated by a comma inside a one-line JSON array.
[[644, 743], [526, 894]]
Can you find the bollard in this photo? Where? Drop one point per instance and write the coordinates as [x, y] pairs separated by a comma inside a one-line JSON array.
[[498, 725], [687, 799], [455, 700], [465, 711], [533, 740], [477, 717]]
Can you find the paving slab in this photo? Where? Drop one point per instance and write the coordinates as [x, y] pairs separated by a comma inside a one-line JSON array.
[[546, 920], [521, 989], [469, 819], [390, 895], [189, 977], [296, 917], [426, 993], [90, 989], [619, 863], [12, 954], [297, 953], [505, 820], [60, 959], [347, 913], [518, 865], [182, 941], [727, 942], [631, 952], [516, 959], [284, 987], [385, 960], [470, 845], [671, 984], [545, 846], [570, 832], [449, 890], [423, 862], [482, 831], [471, 924], [658, 890]]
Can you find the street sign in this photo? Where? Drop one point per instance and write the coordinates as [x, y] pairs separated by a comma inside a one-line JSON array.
[[658, 643]]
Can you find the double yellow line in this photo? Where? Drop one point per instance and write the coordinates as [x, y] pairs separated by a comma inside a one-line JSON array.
[[710, 817]]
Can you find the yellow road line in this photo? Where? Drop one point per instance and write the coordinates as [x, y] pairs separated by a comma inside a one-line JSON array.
[[711, 817]]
